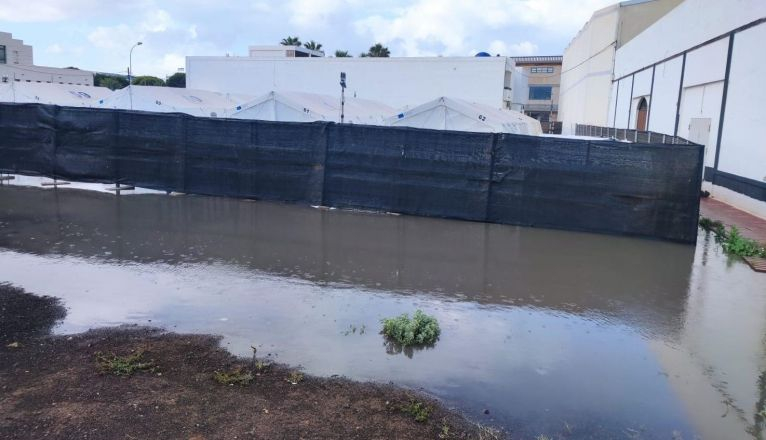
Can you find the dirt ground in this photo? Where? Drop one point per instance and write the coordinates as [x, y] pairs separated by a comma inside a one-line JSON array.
[[53, 387]]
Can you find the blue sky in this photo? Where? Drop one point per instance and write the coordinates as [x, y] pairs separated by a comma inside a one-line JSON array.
[[97, 34]]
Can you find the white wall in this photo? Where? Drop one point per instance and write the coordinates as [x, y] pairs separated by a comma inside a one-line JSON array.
[[393, 81], [667, 78], [642, 86], [743, 145], [16, 52], [689, 24], [695, 22], [586, 76]]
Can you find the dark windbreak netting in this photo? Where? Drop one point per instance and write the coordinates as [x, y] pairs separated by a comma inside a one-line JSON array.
[[601, 186]]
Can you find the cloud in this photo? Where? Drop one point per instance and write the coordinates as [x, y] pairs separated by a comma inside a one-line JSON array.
[[454, 26], [313, 13], [517, 49]]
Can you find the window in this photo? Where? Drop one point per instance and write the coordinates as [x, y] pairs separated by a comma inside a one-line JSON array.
[[2, 55], [540, 92], [542, 70]]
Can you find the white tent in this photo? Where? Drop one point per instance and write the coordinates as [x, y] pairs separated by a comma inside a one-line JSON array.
[[173, 100], [307, 107], [57, 94], [456, 114]]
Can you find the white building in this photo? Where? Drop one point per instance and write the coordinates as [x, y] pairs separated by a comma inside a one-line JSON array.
[[17, 64], [587, 68], [281, 51], [698, 73], [396, 82]]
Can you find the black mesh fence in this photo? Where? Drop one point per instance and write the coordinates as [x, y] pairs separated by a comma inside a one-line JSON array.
[[601, 186]]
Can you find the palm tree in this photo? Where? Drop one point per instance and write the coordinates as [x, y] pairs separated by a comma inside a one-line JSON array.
[[378, 51], [313, 45], [342, 54], [291, 41]]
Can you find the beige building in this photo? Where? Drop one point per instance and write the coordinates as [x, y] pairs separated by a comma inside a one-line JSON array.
[[543, 74], [588, 64], [17, 64]]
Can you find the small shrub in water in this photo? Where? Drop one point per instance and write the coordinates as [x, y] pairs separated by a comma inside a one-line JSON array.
[[124, 365], [238, 376], [420, 330]]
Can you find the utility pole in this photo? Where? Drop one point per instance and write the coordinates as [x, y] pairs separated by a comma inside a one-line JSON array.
[[342, 95], [130, 71]]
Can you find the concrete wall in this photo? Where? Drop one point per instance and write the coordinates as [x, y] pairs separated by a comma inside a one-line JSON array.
[[586, 80], [393, 81], [696, 35], [586, 77], [19, 66], [16, 51]]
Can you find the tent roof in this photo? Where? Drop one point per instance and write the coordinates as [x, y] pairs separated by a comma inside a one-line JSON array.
[[57, 94], [171, 99], [305, 107], [456, 114]]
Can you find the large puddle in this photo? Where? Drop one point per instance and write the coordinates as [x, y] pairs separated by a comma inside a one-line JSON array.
[[556, 333]]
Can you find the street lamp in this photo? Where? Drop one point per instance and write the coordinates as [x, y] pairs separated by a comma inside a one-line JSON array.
[[130, 71]]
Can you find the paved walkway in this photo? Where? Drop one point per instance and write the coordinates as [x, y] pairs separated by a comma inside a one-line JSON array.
[[749, 225]]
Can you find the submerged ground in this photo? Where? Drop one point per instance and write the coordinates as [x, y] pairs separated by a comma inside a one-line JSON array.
[[53, 387], [553, 333]]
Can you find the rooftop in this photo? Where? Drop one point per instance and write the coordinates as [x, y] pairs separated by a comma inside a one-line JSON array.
[[551, 59]]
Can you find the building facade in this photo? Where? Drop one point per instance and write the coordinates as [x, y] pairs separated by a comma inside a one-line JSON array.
[[698, 73], [588, 63], [543, 75], [17, 64], [396, 82]]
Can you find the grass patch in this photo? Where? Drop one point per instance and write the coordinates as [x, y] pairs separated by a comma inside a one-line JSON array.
[[417, 410], [238, 376], [124, 365], [732, 240], [295, 377], [420, 330]]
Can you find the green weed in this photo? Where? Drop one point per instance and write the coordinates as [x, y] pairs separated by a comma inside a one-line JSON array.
[[418, 410], [237, 376], [295, 377], [124, 365], [420, 330], [732, 240]]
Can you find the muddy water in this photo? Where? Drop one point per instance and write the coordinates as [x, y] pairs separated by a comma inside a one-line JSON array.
[[556, 333]]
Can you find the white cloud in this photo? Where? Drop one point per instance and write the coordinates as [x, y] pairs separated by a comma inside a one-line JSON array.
[[517, 49], [314, 13], [456, 24], [54, 48], [43, 10]]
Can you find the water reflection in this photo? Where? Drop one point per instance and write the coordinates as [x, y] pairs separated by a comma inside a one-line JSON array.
[[554, 332]]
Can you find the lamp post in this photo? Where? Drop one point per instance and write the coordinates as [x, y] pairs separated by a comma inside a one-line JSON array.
[[130, 71]]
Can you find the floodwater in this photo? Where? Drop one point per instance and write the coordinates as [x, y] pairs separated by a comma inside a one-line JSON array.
[[557, 333]]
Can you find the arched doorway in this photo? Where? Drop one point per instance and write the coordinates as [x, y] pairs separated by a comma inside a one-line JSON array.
[[641, 115]]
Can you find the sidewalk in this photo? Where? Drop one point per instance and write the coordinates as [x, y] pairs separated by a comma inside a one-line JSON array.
[[749, 225]]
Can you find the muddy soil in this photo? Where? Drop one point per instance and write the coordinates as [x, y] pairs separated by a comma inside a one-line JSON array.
[[53, 387]]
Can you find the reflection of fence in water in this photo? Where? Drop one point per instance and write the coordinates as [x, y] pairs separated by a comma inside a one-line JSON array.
[[501, 178]]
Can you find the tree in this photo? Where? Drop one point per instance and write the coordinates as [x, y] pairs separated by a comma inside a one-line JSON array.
[[291, 41], [113, 82], [147, 80], [177, 79], [342, 54], [378, 51], [313, 45]]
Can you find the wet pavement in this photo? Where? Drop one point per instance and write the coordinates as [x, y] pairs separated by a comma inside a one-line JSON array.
[[558, 333]]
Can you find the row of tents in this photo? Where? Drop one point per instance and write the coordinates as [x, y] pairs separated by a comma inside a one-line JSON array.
[[443, 113]]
